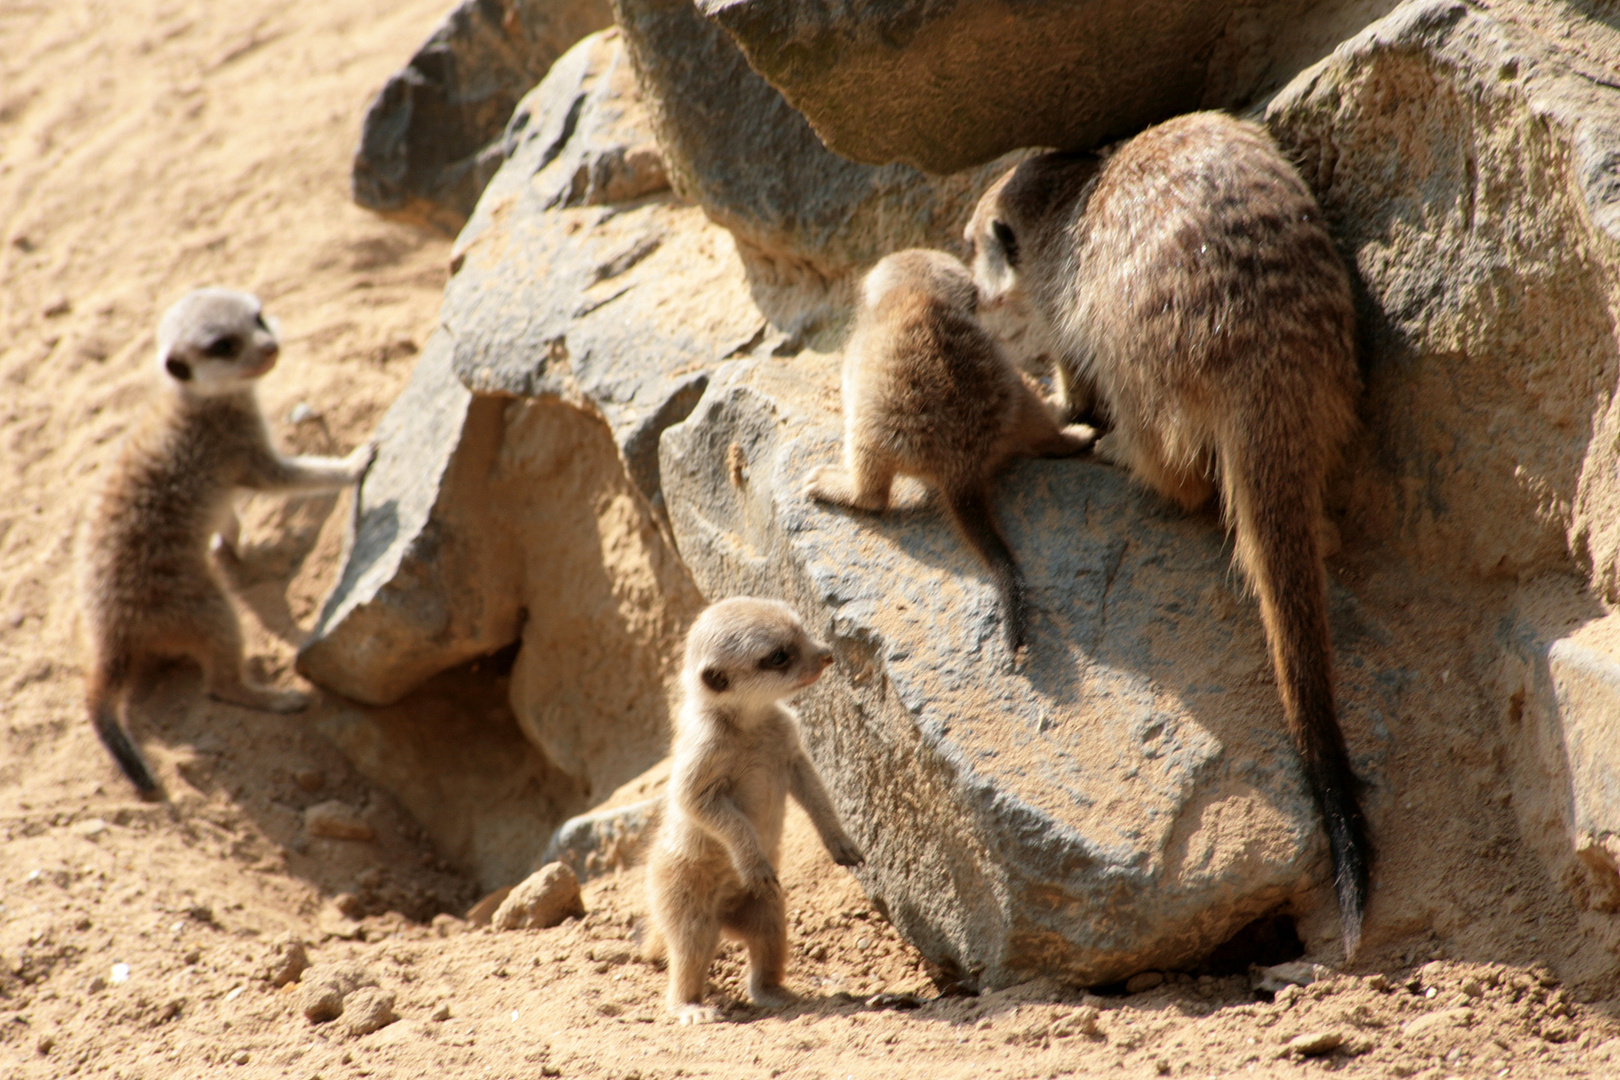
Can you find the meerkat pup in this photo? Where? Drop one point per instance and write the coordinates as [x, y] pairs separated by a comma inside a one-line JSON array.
[[712, 866], [1190, 278], [150, 589], [929, 393]]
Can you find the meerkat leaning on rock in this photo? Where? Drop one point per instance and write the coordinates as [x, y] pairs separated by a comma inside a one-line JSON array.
[[929, 393], [151, 591], [1190, 278], [711, 868]]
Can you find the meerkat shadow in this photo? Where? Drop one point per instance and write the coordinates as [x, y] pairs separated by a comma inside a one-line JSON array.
[[259, 573]]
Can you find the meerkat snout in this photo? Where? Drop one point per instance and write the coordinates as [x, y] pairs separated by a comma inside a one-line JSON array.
[[216, 341]]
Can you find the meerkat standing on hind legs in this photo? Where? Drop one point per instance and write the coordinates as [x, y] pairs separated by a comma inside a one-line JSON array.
[[929, 393], [737, 756], [150, 589], [1189, 278]]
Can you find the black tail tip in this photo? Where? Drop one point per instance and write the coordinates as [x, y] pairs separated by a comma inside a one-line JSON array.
[[129, 760]]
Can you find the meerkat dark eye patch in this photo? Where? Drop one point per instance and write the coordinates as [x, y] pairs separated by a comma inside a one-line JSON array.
[[222, 348], [258, 320], [777, 661], [178, 368], [1008, 242], [716, 680]]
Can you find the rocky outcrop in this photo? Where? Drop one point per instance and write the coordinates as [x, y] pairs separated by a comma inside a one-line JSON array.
[[629, 389], [948, 86], [432, 136]]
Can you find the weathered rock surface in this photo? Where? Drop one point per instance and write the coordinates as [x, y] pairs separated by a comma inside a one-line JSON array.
[[327, 986], [801, 215], [614, 834], [432, 137], [337, 820], [541, 901], [1128, 800], [1470, 161], [368, 1009], [949, 86]]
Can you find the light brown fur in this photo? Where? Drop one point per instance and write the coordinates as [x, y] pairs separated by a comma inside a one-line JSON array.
[[151, 590], [711, 868], [929, 393], [1190, 279]]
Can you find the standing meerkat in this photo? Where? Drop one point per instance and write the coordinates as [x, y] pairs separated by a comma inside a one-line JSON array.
[[737, 756], [1190, 279], [929, 393], [150, 589]]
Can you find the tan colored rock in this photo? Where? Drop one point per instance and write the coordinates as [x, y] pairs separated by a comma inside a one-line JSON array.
[[541, 901], [287, 961], [367, 1009], [337, 820], [1314, 1043], [327, 986], [1459, 1017], [1143, 981]]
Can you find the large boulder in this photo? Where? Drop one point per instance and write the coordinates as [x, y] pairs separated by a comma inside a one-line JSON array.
[[948, 86], [432, 136], [1126, 800], [802, 216]]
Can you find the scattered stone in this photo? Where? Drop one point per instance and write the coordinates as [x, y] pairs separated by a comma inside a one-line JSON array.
[[368, 1009], [441, 1011], [286, 963], [483, 911], [119, 974], [326, 986], [898, 1002], [1314, 1043], [240, 1057], [1294, 973], [337, 821], [1458, 1017], [1471, 988], [544, 899], [57, 307], [1082, 1021], [1380, 982], [1144, 980], [445, 924], [90, 828], [44, 1044]]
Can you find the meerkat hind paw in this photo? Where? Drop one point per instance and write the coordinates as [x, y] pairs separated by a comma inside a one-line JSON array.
[[264, 698], [695, 1014], [771, 997]]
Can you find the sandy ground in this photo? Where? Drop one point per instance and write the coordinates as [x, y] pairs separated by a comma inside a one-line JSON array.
[[149, 147]]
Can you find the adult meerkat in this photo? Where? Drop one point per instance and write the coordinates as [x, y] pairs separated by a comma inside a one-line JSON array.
[[150, 588], [929, 393], [712, 865], [1190, 278]]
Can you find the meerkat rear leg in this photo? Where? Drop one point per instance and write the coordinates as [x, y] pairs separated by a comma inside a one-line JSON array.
[[863, 484], [1143, 454], [760, 920], [690, 939], [220, 651]]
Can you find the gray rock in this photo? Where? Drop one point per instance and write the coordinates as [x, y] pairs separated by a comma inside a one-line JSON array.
[[541, 901], [948, 86], [1063, 819], [732, 144], [432, 137], [604, 840]]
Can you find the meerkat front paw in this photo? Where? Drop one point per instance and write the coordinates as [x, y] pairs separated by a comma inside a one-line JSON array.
[[824, 482], [360, 459], [845, 853], [695, 1014]]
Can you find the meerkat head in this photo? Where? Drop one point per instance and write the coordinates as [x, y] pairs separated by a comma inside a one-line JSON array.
[[942, 277], [216, 341], [1027, 208], [746, 654]]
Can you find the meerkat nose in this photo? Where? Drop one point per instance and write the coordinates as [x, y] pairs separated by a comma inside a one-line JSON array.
[[826, 660], [272, 347]]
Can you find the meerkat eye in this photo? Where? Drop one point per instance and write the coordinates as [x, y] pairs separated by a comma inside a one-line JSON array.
[[778, 660], [258, 320], [178, 368], [223, 348], [716, 680], [1008, 242]]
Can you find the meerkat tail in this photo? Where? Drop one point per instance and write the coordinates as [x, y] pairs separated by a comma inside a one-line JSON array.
[[1278, 548], [104, 699], [974, 516]]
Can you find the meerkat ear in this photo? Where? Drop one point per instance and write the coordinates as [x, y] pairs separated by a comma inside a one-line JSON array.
[[1008, 242], [716, 680], [178, 368]]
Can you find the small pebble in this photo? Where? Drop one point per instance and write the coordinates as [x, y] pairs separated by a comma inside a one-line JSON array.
[[544, 899], [1471, 988], [1315, 1043], [301, 412], [337, 821], [442, 1011], [368, 1009], [118, 974], [240, 1057]]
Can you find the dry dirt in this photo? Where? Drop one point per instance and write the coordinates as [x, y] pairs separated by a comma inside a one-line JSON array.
[[147, 147]]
